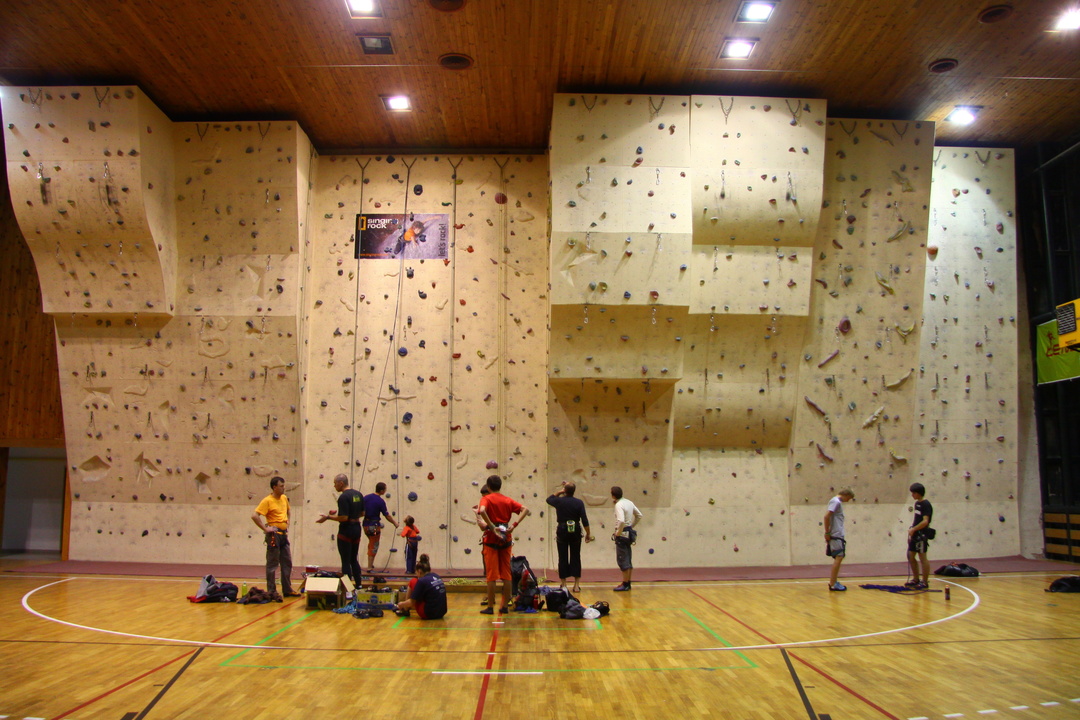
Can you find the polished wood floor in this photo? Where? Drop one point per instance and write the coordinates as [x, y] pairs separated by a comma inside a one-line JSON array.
[[127, 648]]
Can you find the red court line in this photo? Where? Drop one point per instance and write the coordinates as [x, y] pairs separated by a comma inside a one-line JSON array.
[[165, 665], [824, 674], [484, 685]]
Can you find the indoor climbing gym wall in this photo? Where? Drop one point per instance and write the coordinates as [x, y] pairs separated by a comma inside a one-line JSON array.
[[729, 306], [169, 258], [965, 439], [426, 311], [785, 257], [854, 419]]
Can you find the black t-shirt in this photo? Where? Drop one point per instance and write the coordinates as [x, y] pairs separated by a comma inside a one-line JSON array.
[[570, 514], [923, 509], [430, 591], [350, 504]]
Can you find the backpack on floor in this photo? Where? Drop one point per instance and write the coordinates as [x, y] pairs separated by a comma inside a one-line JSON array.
[[557, 598], [957, 570], [524, 586], [211, 590], [1067, 584], [522, 577], [573, 611]]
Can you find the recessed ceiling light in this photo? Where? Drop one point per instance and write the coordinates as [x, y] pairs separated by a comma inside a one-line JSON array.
[[1070, 20], [376, 44], [737, 48], [964, 114], [397, 103], [751, 11], [359, 9]]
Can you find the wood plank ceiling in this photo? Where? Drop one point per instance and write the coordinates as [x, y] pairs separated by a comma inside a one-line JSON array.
[[302, 60]]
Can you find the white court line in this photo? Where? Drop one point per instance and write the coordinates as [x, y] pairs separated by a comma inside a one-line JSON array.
[[484, 672], [32, 611], [726, 648], [962, 613]]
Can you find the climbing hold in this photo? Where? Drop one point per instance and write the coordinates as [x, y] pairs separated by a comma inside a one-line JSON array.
[[413, 497]]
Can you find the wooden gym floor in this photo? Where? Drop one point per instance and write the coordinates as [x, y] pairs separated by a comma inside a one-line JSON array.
[[132, 647]]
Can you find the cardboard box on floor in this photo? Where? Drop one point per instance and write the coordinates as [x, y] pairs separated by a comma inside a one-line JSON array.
[[324, 593]]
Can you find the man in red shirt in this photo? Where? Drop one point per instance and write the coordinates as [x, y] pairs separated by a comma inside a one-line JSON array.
[[496, 510]]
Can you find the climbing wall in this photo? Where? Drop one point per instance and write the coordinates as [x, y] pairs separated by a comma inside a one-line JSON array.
[[620, 276], [681, 276], [731, 322], [174, 285], [966, 431], [427, 356], [91, 169]]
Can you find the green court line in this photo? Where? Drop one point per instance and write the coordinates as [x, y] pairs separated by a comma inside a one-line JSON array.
[[749, 663], [270, 637], [722, 640]]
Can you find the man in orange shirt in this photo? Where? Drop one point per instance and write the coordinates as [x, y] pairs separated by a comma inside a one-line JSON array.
[[496, 510], [272, 517]]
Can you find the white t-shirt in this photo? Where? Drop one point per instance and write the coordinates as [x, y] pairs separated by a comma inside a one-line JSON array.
[[626, 512], [836, 507]]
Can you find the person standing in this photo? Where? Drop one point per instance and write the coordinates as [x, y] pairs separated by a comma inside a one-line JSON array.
[[350, 508], [919, 535], [570, 520], [835, 544], [626, 516], [374, 507], [272, 517], [496, 509], [427, 593]]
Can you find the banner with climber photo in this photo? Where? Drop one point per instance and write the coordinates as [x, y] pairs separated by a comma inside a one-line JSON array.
[[1054, 364], [416, 236]]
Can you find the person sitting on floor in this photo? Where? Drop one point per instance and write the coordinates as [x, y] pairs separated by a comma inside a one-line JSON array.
[[427, 594]]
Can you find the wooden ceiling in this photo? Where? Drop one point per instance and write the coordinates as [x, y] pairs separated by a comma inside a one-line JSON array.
[[302, 60]]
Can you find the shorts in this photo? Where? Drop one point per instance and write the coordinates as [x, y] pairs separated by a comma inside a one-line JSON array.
[[497, 563], [624, 554], [836, 548], [918, 543]]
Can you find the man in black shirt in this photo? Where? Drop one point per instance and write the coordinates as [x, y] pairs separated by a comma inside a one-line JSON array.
[[570, 519], [919, 538], [350, 510]]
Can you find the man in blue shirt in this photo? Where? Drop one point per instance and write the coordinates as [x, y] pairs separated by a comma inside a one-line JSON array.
[[374, 506]]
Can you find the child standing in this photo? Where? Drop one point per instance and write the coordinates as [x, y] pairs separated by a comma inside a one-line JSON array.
[[919, 535], [411, 533]]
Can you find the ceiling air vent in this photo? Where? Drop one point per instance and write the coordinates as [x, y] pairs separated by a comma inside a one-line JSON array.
[[447, 5], [943, 65], [995, 13], [455, 61]]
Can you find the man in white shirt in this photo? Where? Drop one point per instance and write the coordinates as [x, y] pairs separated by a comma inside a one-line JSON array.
[[626, 516]]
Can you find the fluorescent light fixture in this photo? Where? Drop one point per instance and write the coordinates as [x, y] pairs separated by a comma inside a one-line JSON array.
[[1070, 20], [363, 8], [963, 114], [737, 48], [751, 11], [397, 103]]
